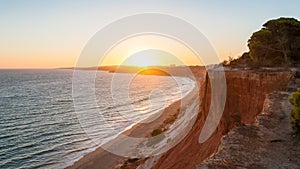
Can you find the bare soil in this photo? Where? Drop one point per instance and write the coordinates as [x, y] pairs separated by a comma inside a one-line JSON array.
[[270, 143]]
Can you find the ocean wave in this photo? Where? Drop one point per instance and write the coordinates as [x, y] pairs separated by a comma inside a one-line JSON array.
[[40, 127]]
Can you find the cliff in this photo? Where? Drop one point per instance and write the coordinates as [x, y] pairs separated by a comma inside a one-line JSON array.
[[246, 92], [270, 143]]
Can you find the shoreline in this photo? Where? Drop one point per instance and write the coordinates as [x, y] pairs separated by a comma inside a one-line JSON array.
[[101, 158]]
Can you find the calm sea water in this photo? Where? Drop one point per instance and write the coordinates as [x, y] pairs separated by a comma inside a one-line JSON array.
[[39, 127]]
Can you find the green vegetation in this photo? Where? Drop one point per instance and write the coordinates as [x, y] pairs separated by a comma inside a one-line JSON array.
[[276, 44], [295, 113], [156, 132], [243, 60]]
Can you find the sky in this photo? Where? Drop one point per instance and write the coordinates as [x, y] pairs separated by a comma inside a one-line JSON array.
[[52, 33]]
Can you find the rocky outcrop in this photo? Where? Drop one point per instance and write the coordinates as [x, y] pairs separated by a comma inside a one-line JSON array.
[[246, 92]]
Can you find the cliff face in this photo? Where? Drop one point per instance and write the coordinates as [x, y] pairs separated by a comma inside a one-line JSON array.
[[246, 92], [253, 146]]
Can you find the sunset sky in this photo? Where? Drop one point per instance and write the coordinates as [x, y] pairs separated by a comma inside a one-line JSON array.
[[51, 34]]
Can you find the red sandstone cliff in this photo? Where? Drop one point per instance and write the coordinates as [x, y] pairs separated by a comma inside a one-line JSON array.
[[246, 91]]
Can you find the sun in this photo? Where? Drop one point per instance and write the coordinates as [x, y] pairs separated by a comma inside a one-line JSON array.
[[152, 57], [143, 59]]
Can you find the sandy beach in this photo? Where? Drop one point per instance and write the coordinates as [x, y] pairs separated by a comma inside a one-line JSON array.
[[102, 159]]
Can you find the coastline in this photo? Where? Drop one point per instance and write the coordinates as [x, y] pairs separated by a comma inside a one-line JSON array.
[[257, 83], [269, 143], [101, 158], [243, 102]]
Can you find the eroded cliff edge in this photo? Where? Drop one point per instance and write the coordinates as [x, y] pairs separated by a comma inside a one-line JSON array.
[[270, 143], [246, 93]]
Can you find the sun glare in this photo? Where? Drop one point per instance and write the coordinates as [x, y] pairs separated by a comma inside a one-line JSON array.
[[143, 51], [143, 59]]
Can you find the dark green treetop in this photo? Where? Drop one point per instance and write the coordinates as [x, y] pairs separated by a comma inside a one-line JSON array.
[[277, 43]]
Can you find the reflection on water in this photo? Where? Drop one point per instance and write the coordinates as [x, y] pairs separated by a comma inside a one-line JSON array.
[[39, 127]]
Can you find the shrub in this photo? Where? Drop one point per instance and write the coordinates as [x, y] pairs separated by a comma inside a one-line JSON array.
[[156, 132], [295, 113]]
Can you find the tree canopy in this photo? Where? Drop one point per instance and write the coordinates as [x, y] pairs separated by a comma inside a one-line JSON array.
[[277, 43]]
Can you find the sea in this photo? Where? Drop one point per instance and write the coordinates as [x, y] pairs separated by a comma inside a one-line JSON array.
[[40, 126]]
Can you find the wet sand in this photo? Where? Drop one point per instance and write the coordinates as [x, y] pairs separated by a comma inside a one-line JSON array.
[[102, 159]]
